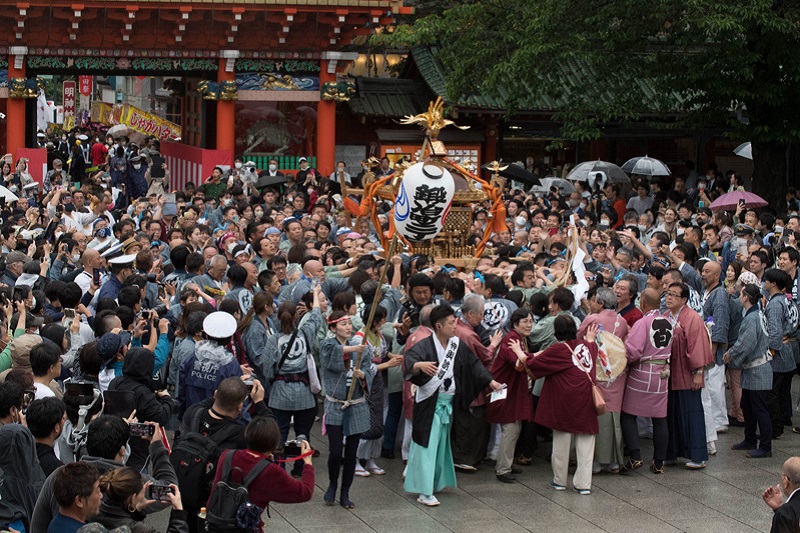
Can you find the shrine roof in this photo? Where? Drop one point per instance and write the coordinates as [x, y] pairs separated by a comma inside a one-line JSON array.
[[389, 97]]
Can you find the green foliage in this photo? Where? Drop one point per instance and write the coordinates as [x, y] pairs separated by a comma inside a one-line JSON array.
[[602, 60]]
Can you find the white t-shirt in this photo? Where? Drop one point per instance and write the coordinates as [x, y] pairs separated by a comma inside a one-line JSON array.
[[43, 391]]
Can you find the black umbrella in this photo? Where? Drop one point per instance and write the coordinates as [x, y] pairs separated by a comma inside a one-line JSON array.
[[266, 180], [515, 172]]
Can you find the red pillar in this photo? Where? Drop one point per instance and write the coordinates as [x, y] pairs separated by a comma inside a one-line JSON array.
[[226, 113], [490, 143], [15, 112], [326, 126]]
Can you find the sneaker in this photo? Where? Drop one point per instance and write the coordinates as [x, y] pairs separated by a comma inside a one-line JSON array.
[[582, 492], [360, 472], [465, 467], [758, 453], [556, 486], [744, 445], [691, 465], [712, 448], [722, 429], [430, 501]]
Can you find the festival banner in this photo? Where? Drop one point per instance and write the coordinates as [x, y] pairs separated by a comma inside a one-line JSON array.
[[69, 98], [86, 84], [102, 112], [146, 123]]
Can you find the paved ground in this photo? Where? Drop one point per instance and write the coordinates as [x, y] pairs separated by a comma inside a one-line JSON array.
[[725, 497]]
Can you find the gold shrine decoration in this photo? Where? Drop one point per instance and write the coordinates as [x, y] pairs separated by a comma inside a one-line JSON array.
[[212, 90], [337, 91], [24, 87], [432, 121]]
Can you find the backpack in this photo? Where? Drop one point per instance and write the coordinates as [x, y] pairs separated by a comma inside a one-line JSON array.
[[229, 509], [194, 458]]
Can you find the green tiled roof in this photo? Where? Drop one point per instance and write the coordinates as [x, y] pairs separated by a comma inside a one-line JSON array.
[[573, 75], [389, 97]]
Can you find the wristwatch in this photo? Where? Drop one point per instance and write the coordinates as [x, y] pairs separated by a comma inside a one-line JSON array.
[[697, 371]]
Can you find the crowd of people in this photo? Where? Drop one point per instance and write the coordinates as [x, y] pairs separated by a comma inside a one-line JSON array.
[[146, 331]]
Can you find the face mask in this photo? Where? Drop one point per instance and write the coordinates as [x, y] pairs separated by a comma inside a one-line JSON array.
[[520, 221], [605, 222], [137, 166], [701, 186], [235, 219], [582, 205], [259, 214], [778, 229], [680, 231], [237, 164], [33, 306], [76, 257], [573, 203], [64, 138], [102, 233], [58, 234], [642, 228], [273, 168], [310, 190], [230, 248], [127, 453]]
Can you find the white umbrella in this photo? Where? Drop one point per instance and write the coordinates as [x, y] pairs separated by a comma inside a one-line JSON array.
[[118, 131], [646, 166], [8, 195], [744, 150]]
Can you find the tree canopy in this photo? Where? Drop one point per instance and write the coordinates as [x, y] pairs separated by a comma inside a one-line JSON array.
[[689, 62]]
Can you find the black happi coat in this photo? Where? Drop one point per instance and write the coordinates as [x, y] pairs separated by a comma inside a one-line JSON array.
[[471, 377]]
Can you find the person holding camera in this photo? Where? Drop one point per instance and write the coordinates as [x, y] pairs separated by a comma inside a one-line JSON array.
[[127, 495], [137, 372], [273, 484]]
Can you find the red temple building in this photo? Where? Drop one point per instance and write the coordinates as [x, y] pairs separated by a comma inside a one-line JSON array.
[[243, 76]]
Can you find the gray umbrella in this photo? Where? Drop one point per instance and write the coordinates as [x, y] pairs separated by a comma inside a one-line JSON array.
[[587, 170], [646, 166]]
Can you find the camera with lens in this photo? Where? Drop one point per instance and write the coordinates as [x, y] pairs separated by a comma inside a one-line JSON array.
[[152, 278], [293, 448]]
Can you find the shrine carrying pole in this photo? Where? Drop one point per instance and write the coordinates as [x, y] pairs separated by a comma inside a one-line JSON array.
[[375, 301]]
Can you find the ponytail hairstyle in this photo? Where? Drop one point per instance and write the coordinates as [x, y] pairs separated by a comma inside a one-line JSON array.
[[120, 484], [286, 313], [261, 301]]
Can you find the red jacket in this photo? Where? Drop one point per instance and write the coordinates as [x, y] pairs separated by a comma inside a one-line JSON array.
[[518, 405], [273, 485]]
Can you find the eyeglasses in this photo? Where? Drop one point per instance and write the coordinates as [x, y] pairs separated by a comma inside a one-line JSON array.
[[674, 295]]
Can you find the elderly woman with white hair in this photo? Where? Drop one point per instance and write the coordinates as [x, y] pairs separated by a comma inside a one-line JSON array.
[[611, 356]]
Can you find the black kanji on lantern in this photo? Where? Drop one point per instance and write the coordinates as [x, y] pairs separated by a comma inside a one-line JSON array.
[[429, 204]]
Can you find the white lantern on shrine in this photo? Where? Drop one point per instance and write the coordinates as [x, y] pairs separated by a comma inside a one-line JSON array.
[[423, 201]]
